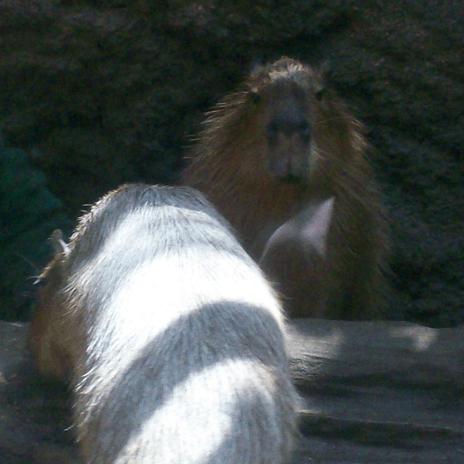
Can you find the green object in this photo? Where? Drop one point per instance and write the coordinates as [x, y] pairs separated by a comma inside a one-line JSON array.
[[29, 213]]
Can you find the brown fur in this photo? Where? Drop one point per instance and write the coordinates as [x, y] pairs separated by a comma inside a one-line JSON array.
[[295, 255], [280, 142], [51, 359]]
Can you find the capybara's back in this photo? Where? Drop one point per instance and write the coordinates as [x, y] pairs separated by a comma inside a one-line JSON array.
[[174, 337]]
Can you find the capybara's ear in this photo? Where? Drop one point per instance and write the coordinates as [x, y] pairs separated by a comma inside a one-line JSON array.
[[59, 245]]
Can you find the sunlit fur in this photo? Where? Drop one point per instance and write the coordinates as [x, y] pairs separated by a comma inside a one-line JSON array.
[[234, 164], [295, 255], [170, 335]]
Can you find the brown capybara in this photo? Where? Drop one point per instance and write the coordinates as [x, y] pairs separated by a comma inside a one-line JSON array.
[[52, 360], [277, 144], [295, 255], [171, 336]]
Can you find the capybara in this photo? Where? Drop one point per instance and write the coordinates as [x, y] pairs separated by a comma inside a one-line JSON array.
[[51, 357], [281, 141], [295, 256], [171, 336]]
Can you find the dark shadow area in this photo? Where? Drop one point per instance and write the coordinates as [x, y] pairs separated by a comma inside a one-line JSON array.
[[35, 413]]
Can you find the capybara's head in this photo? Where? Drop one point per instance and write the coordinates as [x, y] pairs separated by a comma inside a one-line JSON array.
[[281, 126], [286, 94]]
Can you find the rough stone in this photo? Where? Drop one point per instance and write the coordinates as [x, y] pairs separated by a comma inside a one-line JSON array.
[[108, 92]]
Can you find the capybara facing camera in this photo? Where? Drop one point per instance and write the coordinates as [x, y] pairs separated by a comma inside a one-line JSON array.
[[280, 143], [169, 334]]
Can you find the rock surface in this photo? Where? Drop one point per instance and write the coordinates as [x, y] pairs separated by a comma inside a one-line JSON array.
[[101, 93], [383, 392], [34, 414]]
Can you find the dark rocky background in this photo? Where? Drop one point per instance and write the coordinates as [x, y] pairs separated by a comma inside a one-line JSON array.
[[94, 93]]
